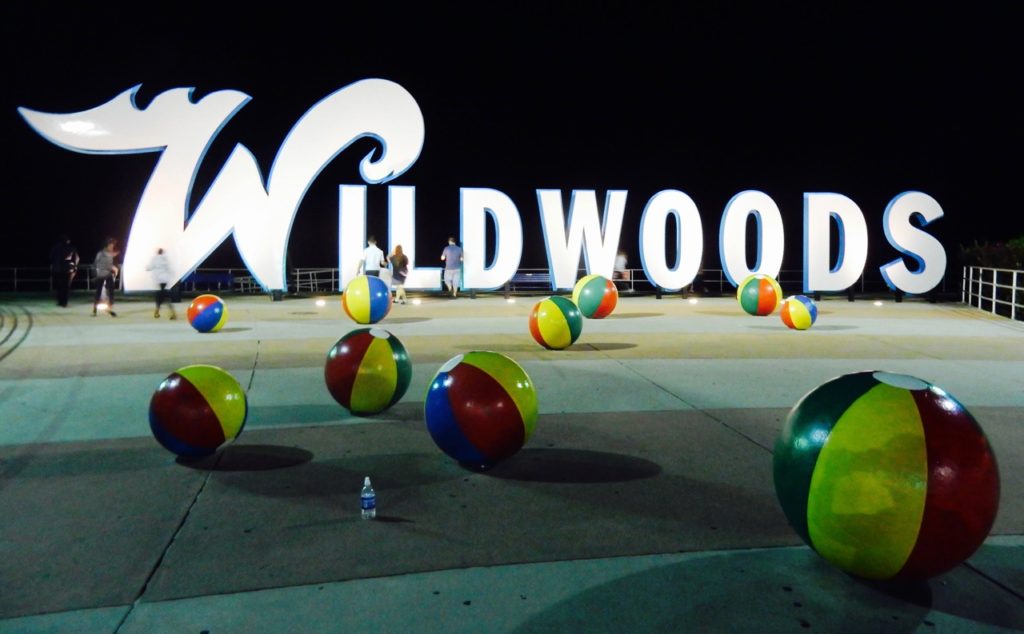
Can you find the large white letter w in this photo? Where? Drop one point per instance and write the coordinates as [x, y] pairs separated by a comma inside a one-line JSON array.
[[259, 216]]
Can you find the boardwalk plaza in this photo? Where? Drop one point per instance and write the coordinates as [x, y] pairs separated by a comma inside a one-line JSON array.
[[447, 441], [644, 493]]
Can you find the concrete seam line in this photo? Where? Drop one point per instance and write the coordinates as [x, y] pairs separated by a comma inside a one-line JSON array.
[[684, 401], [252, 371], [167, 548], [992, 580], [14, 326]]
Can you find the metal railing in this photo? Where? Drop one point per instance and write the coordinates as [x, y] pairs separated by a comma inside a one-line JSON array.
[[999, 291], [38, 278], [326, 280]]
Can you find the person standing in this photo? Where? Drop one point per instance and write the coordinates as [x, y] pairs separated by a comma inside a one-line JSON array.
[[106, 271], [160, 268], [63, 267], [373, 259], [452, 258], [620, 273], [399, 270]]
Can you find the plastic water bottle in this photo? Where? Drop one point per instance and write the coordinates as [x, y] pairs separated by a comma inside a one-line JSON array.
[[369, 500]]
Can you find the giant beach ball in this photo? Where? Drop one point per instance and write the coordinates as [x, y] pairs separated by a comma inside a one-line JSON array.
[[799, 312], [207, 313], [759, 294], [367, 370], [196, 409], [886, 476], [555, 323], [481, 407], [595, 296], [367, 299]]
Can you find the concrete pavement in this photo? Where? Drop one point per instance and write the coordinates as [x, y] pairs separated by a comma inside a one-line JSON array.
[[644, 499]]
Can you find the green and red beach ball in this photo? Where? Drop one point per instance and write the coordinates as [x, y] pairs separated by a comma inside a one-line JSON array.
[[886, 476]]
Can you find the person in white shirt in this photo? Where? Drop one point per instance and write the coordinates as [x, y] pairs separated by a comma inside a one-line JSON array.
[[160, 268], [621, 273], [373, 259]]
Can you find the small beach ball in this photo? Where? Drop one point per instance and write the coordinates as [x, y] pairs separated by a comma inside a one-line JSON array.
[[799, 312], [366, 299], [759, 294], [595, 296], [207, 313], [367, 371], [556, 323], [886, 476], [480, 408], [196, 409]]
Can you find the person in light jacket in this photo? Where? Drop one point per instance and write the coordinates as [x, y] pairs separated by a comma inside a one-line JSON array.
[[160, 268]]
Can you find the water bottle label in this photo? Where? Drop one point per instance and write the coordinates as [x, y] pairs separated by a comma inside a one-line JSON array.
[[369, 503]]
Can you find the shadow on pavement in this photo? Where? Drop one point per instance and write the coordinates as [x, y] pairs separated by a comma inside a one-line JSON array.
[[776, 590], [325, 478], [249, 458], [610, 346], [633, 315], [820, 328], [573, 466]]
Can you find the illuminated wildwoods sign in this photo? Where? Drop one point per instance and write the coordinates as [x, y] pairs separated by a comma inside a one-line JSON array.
[[259, 215]]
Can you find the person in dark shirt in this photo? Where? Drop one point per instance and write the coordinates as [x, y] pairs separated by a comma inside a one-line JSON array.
[[399, 270], [452, 258], [63, 266]]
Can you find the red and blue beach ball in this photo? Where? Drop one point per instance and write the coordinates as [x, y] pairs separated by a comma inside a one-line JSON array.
[[799, 312], [207, 313], [196, 409], [555, 323], [759, 294], [595, 296], [366, 299], [886, 476], [367, 371], [481, 407]]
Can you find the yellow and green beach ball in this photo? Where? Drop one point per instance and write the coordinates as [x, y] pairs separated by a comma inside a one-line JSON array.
[[367, 371], [595, 296], [555, 323], [886, 476]]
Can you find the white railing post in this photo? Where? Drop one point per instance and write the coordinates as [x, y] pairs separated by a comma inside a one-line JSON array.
[[963, 287], [981, 286], [995, 276], [1013, 297]]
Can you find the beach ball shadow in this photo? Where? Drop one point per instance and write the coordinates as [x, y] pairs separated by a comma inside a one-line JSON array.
[[573, 466], [249, 458], [795, 590]]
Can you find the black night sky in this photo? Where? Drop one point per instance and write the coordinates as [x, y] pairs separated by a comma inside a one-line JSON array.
[[866, 102]]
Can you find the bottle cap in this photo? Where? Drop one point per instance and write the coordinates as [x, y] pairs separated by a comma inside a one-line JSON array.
[[366, 481]]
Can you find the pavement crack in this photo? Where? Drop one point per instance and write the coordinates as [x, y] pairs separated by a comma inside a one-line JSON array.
[[683, 400], [993, 580], [14, 327], [167, 547], [252, 371]]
